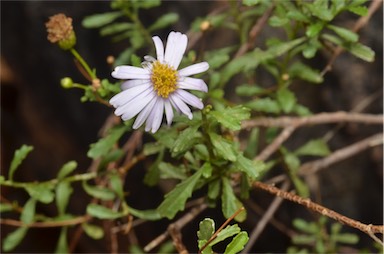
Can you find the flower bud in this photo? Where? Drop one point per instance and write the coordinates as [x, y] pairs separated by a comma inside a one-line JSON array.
[[60, 31], [66, 83]]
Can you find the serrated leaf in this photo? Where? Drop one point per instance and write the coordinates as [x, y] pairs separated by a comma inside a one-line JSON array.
[[62, 243], [41, 192], [227, 232], [266, 105], [237, 243], [223, 147], [316, 147], [105, 144], [231, 117], [206, 229], [167, 170], [13, 239], [164, 21], [320, 10], [276, 21], [63, 193], [217, 60], [346, 34], [229, 202], [98, 192], [151, 214], [18, 157], [93, 231], [116, 28], [361, 51], [102, 212], [117, 185], [359, 10], [99, 20], [175, 200], [28, 214], [305, 72], [66, 169], [250, 167], [286, 99], [185, 140]]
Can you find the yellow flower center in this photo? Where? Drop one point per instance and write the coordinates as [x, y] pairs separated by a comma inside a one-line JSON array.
[[164, 79]]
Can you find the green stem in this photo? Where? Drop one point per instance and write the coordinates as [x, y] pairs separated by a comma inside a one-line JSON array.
[[83, 63], [207, 139]]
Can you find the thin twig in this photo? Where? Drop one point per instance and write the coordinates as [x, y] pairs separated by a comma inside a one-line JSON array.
[[368, 229], [46, 224], [341, 154], [175, 234], [180, 223], [221, 228], [321, 118], [360, 23], [268, 215]]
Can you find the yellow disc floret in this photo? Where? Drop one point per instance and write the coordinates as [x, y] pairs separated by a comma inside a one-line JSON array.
[[164, 79]]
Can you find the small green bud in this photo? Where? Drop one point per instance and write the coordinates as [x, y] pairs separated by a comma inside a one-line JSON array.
[[68, 43], [66, 83]]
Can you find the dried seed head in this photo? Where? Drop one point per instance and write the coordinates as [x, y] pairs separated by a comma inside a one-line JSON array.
[[60, 30]]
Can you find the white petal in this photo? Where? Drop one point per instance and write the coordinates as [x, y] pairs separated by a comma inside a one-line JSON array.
[[168, 111], [159, 48], [130, 72], [176, 46], [136, 105], [190, 99], [144, 114], [194, 69], [125, 96], [193, 84], [158, 115], [132, 83], [179, 104]]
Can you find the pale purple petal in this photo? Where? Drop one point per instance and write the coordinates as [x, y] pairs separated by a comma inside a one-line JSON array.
[[125, 96], [130, 72], [159, 48], [176, 46], [193, 84], [190, 99], [126, 104], [144, 114], [194, 69], [158, 115], [178, 103], [168, 111], [136, 105], [132, 83]]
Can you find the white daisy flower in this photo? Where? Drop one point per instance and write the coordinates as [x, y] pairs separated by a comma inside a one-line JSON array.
[[159, 86]]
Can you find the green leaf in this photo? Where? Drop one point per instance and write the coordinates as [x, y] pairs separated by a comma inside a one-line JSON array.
[[98, 192], [231, 117], [237, 244], [347, 238], [214, 189], [252, 143], [227, 232], [99, 20], [247, 90], [250, 2], [304, 239], [230, 203], [102, 212], [207, 169], [359, 10], [164, 21], [18, 157], [297, 15], [116, 28], [41, 192], [292, 161], [346, 34], [311, 48], [63, 193], [5, 207], [305, 72], [266, 105], [314, 29], [175, 200], [286, 99], [186, 140], [167, 170], [223, 147], [276, 21], [206, 229], [320, 10], [151, 214], [93, 231], [62, 243], [28, 214], [316, 147], [105, 144], [13, 239], [361, 51], [305, 226], [66, 169], [116, 184], [148, 4], [250, 167], [217, 60]]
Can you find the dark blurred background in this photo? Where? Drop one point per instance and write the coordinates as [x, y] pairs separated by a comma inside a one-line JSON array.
[[35, 110]]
